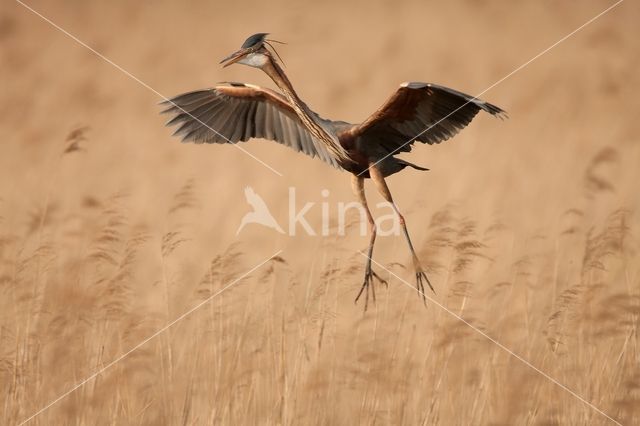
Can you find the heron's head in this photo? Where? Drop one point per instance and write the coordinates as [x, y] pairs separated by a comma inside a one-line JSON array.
[[253, 52]]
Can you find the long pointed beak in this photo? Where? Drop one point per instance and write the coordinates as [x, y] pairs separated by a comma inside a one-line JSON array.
[[233, 58]]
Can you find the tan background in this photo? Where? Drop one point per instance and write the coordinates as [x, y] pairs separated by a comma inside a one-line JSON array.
[[528, 226]]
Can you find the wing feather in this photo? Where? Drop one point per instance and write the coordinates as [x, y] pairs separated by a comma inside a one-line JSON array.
[[422, 112], [236, 112]]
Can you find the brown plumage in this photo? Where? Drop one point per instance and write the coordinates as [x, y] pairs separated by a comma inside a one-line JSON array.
[[237, 112]]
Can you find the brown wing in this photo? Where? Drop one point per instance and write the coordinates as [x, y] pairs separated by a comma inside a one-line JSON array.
[[421, 112], [237, 112]]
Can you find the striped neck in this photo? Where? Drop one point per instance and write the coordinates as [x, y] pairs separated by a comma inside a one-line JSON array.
[[307, 116]]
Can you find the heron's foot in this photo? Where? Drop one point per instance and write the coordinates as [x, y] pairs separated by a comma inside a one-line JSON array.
[[369, 277], [421, 278]]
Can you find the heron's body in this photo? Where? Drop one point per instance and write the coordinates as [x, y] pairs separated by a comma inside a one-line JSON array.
[[237, 112]]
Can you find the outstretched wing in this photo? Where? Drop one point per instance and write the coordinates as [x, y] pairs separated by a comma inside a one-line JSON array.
[[237, 112], [421, 112]]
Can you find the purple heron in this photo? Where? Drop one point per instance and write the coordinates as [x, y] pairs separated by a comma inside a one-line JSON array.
[[416, 112]]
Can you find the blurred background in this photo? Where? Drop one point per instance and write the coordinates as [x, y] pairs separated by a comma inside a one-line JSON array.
[[110, 228]]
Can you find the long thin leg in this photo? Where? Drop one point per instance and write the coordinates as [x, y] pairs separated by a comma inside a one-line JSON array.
[[421, 276], [357, 184]]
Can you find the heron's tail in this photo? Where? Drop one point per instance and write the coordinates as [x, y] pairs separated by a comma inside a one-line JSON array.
[[406, 163]]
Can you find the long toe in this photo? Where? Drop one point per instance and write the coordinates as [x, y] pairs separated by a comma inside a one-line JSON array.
[[382, 280], [369, 284], [426, 278], [423, 275], [364, 289], [420, 286]]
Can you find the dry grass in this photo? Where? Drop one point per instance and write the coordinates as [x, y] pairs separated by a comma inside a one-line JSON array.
[[109, 231], [276, 349]]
